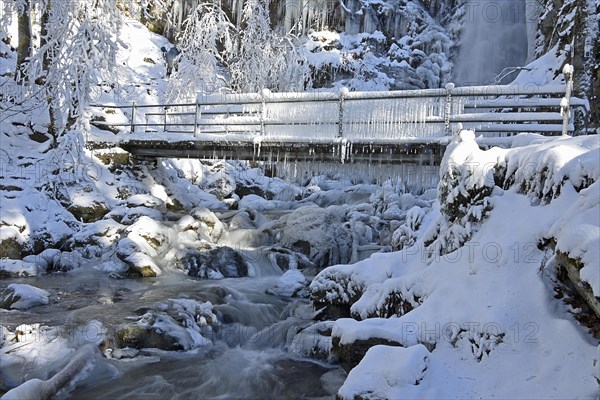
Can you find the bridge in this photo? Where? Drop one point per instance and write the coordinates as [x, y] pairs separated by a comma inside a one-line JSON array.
[[409, 126]]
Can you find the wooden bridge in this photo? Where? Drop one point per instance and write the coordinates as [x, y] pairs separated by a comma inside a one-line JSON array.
[[410, 126]]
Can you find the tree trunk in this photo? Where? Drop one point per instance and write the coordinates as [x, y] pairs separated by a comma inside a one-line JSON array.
[[24, 48], [44, 37], [52, 127]]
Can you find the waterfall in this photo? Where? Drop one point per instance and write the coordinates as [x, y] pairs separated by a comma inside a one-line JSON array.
[[494, 37]]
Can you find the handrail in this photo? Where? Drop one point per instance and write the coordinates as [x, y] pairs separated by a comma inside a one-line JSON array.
[[344, 114]]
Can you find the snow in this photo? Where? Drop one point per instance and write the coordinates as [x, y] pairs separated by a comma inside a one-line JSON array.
[[384, 370]]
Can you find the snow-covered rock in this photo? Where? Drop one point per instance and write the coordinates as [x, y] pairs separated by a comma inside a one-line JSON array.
[[179, 324], [209, 222], [291, 283], [144, 200], [385, 370], [319, 233], [19, 296], [18, 268], [577, 234]]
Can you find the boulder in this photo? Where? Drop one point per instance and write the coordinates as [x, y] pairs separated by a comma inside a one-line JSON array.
[[11, 242], [178, 324], [219, 263], [10, 248], [388, 372]]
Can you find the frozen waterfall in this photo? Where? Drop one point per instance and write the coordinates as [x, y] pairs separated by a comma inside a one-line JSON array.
[[494, 37]]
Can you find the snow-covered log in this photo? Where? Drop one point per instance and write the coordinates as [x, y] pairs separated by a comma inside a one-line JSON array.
[[37, 389]]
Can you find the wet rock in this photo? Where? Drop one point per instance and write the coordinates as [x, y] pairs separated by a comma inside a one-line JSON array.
[[350, 354], [246, 189], [22, 297], [144, 335], [242, 220], [219, 263], [286, 259], [315, 341]]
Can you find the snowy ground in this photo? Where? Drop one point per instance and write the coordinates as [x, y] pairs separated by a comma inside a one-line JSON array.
[[468, 294], [486, 310]]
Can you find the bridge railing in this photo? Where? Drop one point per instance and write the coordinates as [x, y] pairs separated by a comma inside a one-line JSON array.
[[409, 114]]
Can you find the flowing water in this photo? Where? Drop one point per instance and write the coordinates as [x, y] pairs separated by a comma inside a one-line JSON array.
[[249, 355]]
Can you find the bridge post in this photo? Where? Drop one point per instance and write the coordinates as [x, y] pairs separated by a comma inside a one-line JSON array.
[[264, 94], [165, 120], [448, 111], [342, 94], [565, 103], [132, 129], [196, 118]]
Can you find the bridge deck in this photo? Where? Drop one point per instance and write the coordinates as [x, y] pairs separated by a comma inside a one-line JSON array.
[[413, 152]]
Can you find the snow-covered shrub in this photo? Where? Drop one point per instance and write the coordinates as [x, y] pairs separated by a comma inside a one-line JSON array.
[[336, 286], [541, 169], [464, 190], [406, 234]]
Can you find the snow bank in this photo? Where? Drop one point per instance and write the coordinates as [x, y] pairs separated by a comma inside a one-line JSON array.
[[481, 300]]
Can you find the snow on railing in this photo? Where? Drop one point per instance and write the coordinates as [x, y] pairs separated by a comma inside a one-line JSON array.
[[406, 114]]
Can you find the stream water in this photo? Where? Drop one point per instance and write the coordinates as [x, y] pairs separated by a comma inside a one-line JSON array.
[[248, 356]]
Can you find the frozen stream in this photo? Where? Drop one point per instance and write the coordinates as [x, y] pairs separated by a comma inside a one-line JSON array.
[[248, 356]]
